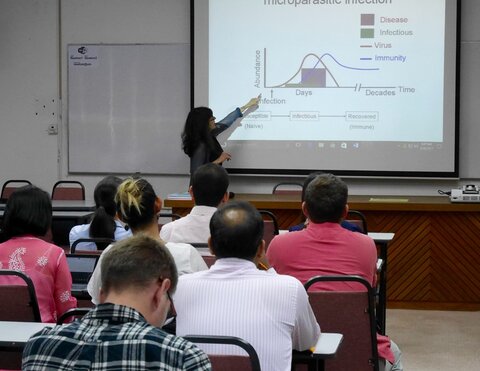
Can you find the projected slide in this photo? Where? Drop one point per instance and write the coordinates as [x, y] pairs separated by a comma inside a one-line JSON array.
[[368, 80], [330, 72]]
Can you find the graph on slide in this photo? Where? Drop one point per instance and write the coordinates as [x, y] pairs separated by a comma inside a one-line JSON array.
[[316, 71]]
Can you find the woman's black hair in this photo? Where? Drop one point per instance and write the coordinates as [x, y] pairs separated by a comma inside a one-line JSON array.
[[28, 212], [103, 221], [197, 130]]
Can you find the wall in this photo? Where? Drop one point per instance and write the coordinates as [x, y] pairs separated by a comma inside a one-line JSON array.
[[28, 81], [33, 39]]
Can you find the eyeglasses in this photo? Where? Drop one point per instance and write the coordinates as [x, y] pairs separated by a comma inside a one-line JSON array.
[[172, 313]]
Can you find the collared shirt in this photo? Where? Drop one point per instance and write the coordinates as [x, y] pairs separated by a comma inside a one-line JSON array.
[[83, 231], [187, 260], [195, 227], [328, 249], [111, 337], [321, 249], [47, 266], [234, 298]]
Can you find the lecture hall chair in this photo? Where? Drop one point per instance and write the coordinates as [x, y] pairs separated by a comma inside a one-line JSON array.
[[18, 303], [10, 186], [249, 362], [350, 313], [68, 190]]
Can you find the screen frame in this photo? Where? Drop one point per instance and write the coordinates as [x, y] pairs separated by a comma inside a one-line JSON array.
[[454, 174]]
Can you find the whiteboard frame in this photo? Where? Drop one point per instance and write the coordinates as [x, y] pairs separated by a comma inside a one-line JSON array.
[[100, 140]]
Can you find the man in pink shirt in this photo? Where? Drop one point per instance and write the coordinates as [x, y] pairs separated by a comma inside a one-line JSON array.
[[325, 248]]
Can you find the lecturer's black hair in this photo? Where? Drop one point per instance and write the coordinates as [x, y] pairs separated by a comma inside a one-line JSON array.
[[196, 130]]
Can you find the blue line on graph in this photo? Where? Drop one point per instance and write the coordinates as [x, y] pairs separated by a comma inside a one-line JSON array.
[[342, 65], [366, 59], [351, 68]]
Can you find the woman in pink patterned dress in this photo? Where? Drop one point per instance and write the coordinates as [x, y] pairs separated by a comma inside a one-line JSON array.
[[28, 216]]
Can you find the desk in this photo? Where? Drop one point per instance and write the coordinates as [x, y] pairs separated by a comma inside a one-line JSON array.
[[326, 347], [433, 258], [382, 240], [73, 205], [67, 205], [13, 337], [16, 334]]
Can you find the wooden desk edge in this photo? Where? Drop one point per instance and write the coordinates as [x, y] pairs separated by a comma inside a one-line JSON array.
[[355, 202]]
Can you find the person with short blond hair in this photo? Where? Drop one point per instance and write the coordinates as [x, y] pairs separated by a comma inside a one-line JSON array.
[[122, 332]]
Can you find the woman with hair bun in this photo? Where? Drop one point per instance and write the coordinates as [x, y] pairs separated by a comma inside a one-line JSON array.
[[104, 223], [138, 206]]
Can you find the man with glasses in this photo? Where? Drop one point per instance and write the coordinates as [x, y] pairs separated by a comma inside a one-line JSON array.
[[122, 332]]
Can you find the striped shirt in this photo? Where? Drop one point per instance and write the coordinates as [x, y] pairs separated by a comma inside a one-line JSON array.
[[234, 298], [111, 337]]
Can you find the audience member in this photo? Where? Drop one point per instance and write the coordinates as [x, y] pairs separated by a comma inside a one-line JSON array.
[[208, 191], [138, 206], [27, 218], [105, 223], [345, 224], [122, 333], [234, 298], [325, 248]]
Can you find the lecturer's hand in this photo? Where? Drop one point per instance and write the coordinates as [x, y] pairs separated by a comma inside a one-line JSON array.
[[251, 103], [225, 156]]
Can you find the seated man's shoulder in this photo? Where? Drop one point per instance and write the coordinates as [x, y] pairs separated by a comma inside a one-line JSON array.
[[157, 346], [175, 348], [359, 237], [175, 226], [282, 281]]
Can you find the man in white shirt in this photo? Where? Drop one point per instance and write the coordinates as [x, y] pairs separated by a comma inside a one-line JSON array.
[[235, 298], [208, 191]]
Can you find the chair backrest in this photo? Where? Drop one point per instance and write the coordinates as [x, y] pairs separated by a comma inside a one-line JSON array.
[[73, 312], [10, 186], [18, 303], [68, 190], [270, 226], [350, 313], [221, 362], [101, 243], [203, 248], [18, 298], [358, 219], [287, 188]]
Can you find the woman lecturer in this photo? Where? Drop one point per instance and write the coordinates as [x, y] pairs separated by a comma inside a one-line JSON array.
[[199, 140]]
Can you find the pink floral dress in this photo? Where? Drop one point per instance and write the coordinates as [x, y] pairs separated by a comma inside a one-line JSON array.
[[47, 266]]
